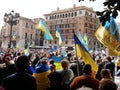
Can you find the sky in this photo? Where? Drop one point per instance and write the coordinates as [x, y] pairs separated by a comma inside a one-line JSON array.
[[37, 8]]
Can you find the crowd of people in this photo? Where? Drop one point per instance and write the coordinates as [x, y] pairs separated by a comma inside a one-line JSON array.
[[36, 70]]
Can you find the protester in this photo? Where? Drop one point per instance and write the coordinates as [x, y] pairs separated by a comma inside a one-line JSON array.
[[42, 70], [107, 85], [55, 79], [66, 72], [110, 65], [20, 80], [105, 74], [52, 66], [7, 69], [76, 68], [85, 80], [100, 67]]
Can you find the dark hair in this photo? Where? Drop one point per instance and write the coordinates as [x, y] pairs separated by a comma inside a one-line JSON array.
[[51, 62], [108, 58], [55, 76], [87, 69], [105, 73], [108, 85], [22, 63]]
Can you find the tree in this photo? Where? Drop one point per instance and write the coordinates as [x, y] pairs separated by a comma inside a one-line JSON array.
[[112, 9]]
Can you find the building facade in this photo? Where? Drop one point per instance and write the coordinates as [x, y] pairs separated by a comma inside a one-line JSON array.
[[23, 34], [82, 19]]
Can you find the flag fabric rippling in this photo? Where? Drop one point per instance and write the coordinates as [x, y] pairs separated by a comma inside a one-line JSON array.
[[81, 51], [81, 39], [59, 34], [109, 36], [42, 26]]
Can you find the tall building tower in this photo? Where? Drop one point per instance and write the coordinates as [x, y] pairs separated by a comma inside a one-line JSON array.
[[75, 19]]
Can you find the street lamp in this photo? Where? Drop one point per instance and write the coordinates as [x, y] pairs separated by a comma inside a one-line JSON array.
[[12, 19]]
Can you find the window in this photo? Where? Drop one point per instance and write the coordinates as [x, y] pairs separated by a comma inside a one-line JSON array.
[[57, 16], [85, 24], [46, 17], [91, 26], [66, 15], [63, 15], [71, 14], [75, 13], [50, 17], [91, 14], [61, 21], [25, 35], [31, 26], [95, 16], [67, 20], [80, 12], [27, 25], [60, 16], [86, 13]]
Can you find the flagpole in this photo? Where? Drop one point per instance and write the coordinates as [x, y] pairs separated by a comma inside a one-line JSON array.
[[76, 57]]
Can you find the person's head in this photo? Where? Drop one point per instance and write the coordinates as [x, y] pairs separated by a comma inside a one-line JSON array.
[[51, 61], [22, 63], [44, 60], [108, 58], [8, 61], [87, 69], [52, 68], [105, 73], [65, 64], [55, 79], [107, 85]]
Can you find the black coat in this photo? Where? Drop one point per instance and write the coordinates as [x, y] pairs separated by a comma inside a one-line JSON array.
[[19, 81]]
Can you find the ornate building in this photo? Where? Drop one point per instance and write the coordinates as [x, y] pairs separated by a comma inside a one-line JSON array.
[[75, 19], [24, 34]]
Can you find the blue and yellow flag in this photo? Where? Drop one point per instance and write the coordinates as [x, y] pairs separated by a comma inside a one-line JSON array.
[[108, 35], [42, 26], [59, 34], [85, 38], [81, 39], [81, 51]]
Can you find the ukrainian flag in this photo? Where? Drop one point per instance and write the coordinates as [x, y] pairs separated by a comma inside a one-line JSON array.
[[81, 51], [41, 75], [108, 35], [42, 26], [85, 38], [81, 39], [59, 34]]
